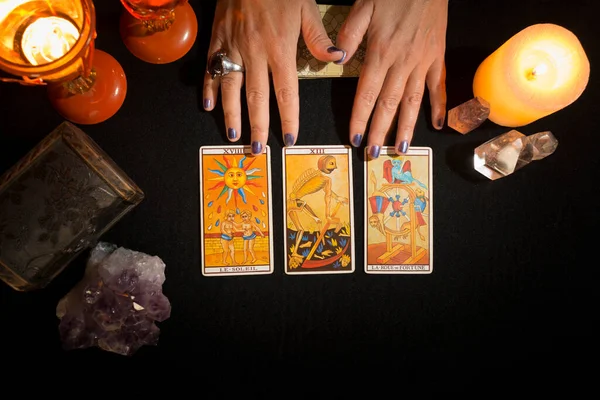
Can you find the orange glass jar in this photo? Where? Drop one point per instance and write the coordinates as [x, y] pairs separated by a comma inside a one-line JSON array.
[[51, 42]]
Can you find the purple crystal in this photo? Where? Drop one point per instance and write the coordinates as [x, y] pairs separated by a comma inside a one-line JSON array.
[[116, 304], [125, 282], [156, 305], [92, 292], [73, 333]]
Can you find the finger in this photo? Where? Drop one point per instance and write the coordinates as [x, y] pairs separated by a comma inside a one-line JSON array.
[[231, 86], [409, 110], [354, 29], [211, 86], [285, 83], [387, 105], [436, 84], [315, 35], [257, 97], [370, 81]]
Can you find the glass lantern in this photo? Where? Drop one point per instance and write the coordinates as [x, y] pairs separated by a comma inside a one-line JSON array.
[[51, 42]]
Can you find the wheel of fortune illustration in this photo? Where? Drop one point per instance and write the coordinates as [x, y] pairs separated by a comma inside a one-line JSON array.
[[393, 214]]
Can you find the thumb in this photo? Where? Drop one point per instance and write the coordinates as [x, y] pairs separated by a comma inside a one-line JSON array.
[[315, 36], [354, 28]]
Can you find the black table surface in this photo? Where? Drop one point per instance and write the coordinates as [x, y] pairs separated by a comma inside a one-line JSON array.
[[513, 285]]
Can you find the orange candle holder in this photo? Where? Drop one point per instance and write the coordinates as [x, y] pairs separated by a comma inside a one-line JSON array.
[[158, 31], [51, 43]]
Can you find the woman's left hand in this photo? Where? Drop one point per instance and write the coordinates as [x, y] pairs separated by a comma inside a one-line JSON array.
[[405, 51]]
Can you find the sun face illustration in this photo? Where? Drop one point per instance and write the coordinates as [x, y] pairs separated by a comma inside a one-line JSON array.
[[234, 178]]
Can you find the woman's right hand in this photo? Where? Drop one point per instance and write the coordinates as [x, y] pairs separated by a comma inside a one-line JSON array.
[[262, 36]]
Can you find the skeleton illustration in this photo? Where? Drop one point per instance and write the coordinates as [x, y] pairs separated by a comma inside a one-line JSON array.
[[309, 182]]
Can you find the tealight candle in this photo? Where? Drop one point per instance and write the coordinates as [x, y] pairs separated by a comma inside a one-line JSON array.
[[41, 34], [539, 71], [48, 39]]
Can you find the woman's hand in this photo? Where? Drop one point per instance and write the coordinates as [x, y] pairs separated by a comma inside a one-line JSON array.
[[262, 36], [406, 42]]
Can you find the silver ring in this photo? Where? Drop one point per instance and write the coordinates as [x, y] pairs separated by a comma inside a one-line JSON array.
[[220, 65]]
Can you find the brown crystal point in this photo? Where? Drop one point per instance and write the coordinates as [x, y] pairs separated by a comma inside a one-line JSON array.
[[506, 153], [160, 47], [101, 101], [469, 115]]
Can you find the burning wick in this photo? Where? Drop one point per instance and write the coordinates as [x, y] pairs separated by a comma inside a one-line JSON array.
[[48, 39], [538, 71]]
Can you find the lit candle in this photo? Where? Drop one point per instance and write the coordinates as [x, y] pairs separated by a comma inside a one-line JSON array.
[[48, 39], [539, 71], [42, 39]]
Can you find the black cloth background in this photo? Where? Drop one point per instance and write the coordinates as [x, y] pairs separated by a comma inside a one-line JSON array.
[[512, 299]]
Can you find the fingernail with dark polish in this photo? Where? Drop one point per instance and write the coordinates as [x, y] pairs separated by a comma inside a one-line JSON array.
[[374, 151], [356, 140], [207, 103], [288, 139], [403, 146], [333, 49], [231, 133], [256, 147], [341, 60], [440, 123]]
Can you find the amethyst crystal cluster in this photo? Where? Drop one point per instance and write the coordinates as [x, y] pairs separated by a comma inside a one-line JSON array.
[[116, 304]]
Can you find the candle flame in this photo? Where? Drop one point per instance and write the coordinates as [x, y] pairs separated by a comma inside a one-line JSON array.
[[48, 39], [540, 70], [537, 71]]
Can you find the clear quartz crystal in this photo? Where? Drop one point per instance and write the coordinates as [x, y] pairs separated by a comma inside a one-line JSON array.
[[511, 151], [544, 144]]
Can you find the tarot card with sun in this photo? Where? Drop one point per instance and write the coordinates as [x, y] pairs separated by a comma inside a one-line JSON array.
[[235, 211]]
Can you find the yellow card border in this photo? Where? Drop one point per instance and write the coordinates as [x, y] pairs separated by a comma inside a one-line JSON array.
[[342, 149], [248, 151], [412, 151]]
